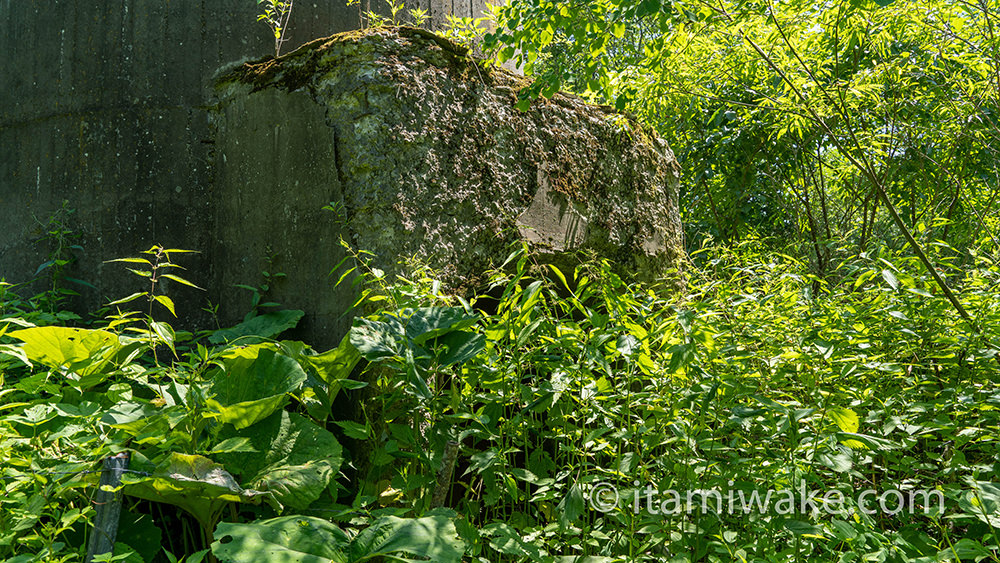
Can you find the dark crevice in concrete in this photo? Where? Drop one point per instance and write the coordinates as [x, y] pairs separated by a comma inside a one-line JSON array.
[[341, 178]]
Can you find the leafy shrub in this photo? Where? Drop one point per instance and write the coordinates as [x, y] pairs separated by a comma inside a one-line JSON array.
[[495, 427]]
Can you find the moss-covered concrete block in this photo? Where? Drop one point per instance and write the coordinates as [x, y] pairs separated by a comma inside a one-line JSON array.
[[424, 150]]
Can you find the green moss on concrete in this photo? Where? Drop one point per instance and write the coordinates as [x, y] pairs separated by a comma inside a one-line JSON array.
[[436, 163]]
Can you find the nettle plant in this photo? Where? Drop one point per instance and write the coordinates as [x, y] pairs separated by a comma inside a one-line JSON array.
[[229, 435], [482, 428], [760, 377]]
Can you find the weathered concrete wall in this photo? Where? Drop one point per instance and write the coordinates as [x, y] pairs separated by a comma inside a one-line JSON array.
[[428, 158], [275, 172], [107, 105], [103, 104]]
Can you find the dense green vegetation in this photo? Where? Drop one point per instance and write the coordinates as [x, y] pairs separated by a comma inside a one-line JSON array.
[[760, 377], [553, 418], [793, 119]]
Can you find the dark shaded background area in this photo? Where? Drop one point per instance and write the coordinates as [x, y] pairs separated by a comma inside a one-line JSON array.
[[104, 105]]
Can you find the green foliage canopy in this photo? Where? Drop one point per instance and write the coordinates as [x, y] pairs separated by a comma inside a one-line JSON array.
[[783, 113]]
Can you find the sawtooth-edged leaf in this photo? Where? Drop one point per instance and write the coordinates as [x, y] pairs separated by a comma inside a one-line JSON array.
[[845, 419]]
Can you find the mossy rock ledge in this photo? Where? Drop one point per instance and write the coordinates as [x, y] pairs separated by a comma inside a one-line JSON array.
[[424, 154]]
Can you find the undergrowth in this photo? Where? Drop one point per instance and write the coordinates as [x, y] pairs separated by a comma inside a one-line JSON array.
[[570, 416]]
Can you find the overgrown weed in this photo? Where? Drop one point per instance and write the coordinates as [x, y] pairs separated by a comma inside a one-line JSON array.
[[501, 434]]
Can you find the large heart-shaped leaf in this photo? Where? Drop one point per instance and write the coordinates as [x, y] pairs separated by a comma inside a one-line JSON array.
[[253, 383], [304, 539], [83, 353], [192, 482], [426, 323], [290, 539], [137, 418], [299, 458], [376, 339], [431, 538]]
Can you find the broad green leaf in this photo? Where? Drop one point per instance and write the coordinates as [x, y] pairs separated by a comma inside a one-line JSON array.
[[140, 533], [297, 486], [136, 419], [571, 507], [164, 334], [802, 528], [238, 444], [82, 352], [844, 418], [253, 383], [965, 549], [546, 37], [426, 323], [263, 326], [35, 415], [375, 339], [295, 458], [431, 538], [840, 461], [982, 501], [192, 482], [458, 347], [289, 539], [246, 413], [335, 365], [253, 373], [508, 541]]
